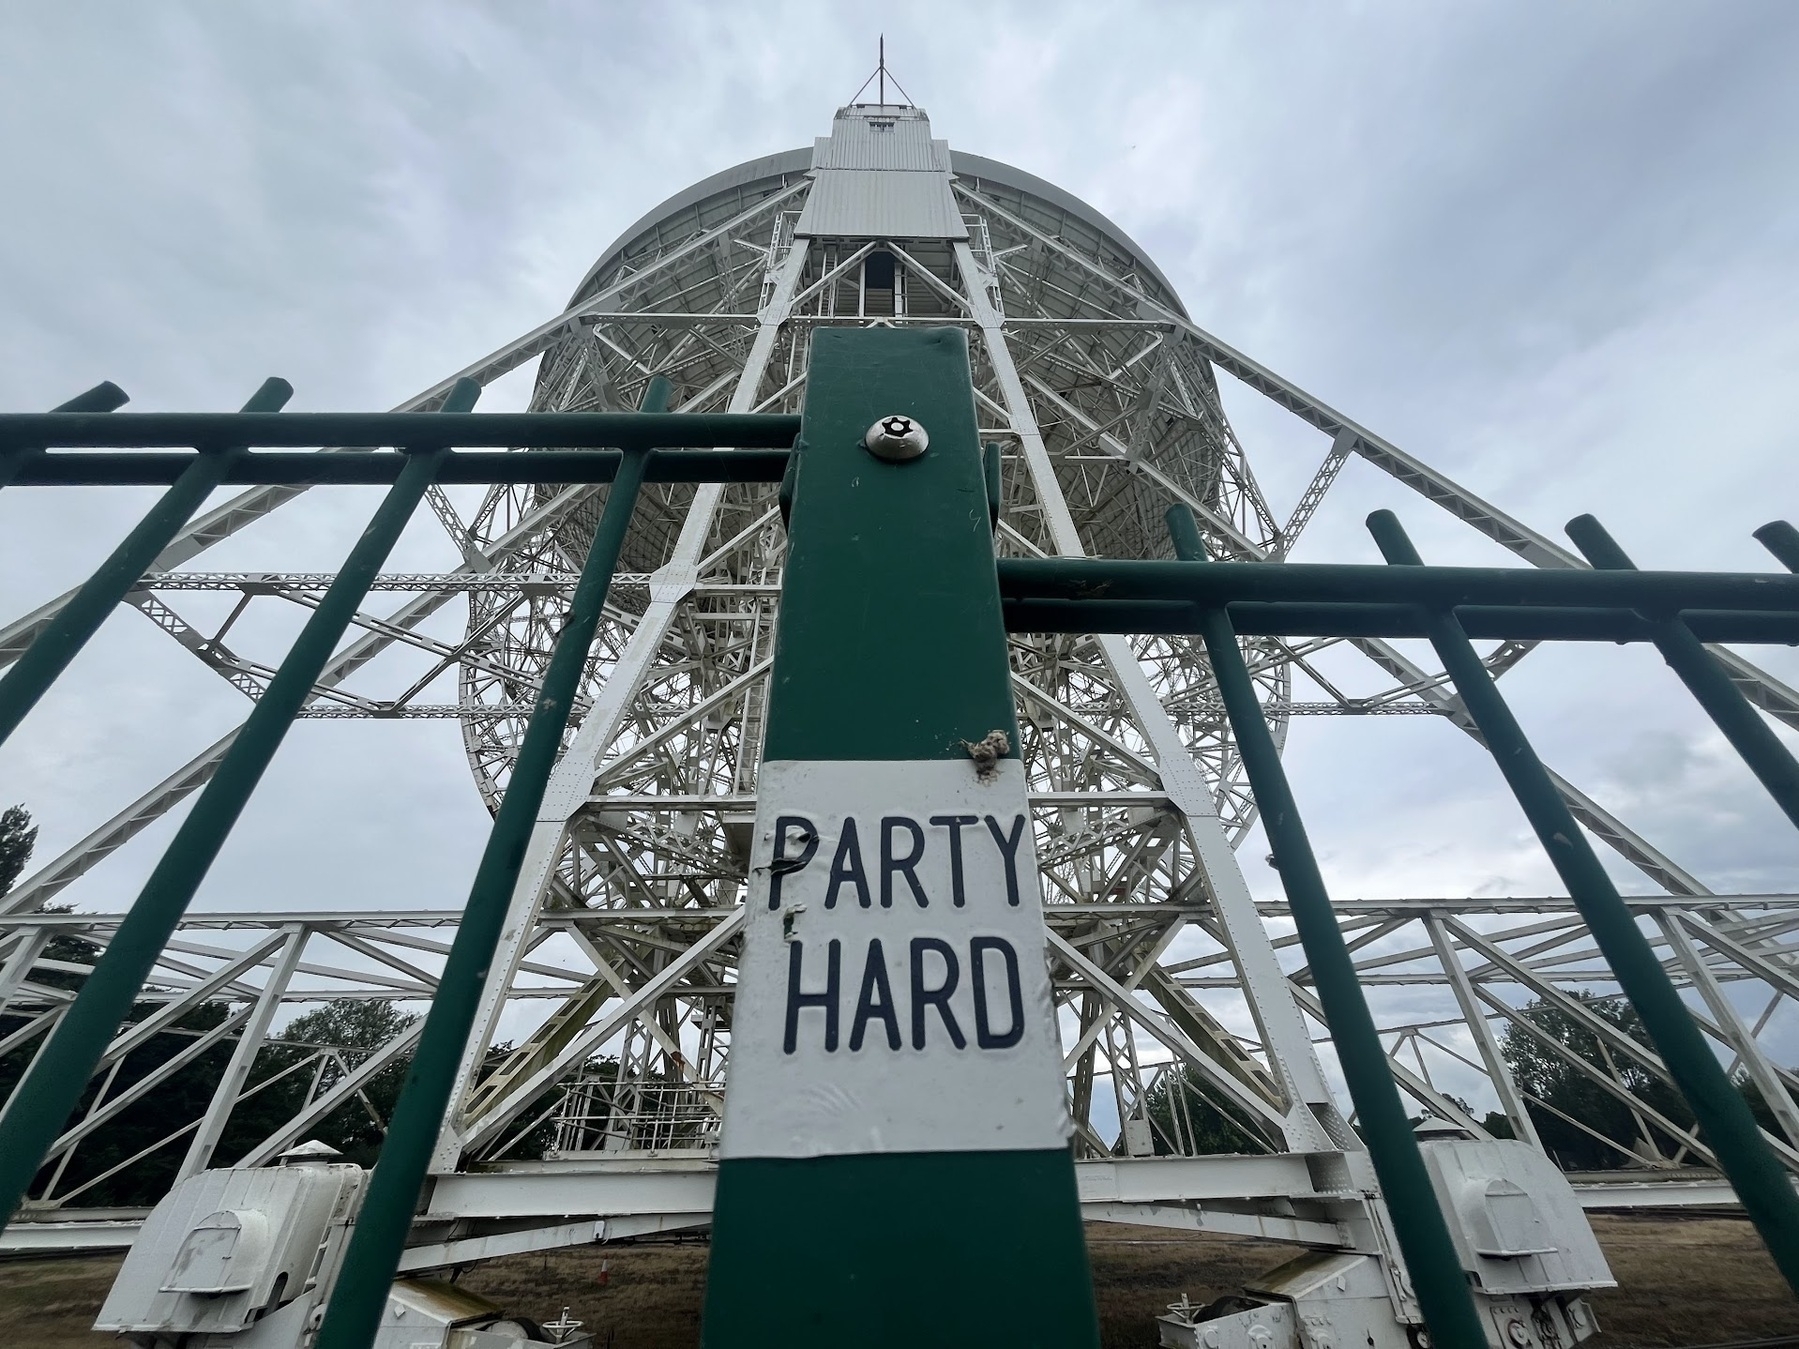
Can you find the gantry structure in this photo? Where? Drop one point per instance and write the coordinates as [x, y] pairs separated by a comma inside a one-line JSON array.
[[601, 1057]]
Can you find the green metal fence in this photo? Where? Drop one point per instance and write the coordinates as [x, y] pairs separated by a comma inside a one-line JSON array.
[[84, 443], [649, 446]]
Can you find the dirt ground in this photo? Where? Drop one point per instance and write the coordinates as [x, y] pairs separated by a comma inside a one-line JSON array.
[[1683, 1281]]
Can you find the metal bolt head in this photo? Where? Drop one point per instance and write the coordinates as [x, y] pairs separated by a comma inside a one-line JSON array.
[[896, 439]]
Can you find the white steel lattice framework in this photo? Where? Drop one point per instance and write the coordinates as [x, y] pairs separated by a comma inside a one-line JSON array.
[[613, 982]]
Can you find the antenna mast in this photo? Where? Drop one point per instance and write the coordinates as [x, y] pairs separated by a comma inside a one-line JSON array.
[[880, 74]]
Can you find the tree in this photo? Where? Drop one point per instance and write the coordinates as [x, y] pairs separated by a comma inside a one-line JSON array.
[[1548, 1076], [349, 1030], [18, 836], [151, 1118], [1183, 1119], [349, 1023], [1758, 1104], [136, 1127]]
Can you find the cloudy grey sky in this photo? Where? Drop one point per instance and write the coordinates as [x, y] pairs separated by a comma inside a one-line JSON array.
[[1551, 248]]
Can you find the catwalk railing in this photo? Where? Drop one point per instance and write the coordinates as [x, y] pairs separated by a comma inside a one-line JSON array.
[[84, 443]]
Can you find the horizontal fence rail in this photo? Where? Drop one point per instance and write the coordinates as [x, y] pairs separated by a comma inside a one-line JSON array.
[[432, 430], [88, 448], [383, 467], [1234, 583], [1525, 623]]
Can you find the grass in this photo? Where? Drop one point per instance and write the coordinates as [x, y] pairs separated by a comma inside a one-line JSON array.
[[1688, 1281], [1693, 1280], [50, 1304]]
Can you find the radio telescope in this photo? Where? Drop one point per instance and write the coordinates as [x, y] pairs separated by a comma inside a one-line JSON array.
[[605, 1028]]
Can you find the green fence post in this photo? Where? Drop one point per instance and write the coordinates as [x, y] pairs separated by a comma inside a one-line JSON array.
[[60, 642], [385, 1218], [1705, 679], [1429, 1252], [42, 1101], [894, 1167], [103, 397], [1763, 1186]]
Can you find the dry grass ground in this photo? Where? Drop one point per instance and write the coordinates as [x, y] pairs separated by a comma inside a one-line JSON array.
[[1689, 1280], [51, 1303], [1683, 1281]]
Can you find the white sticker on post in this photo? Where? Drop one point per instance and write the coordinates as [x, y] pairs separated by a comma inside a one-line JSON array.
[[893, 995]]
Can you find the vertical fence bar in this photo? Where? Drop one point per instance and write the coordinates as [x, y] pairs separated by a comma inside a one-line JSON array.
[[42, 1101], [1429, 1252], [1705, 679], [1762, 1184], [360, 1298], [103, 397], [60, 642], [1782, 540]]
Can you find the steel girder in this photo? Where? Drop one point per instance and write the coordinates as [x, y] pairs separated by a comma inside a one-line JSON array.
[[1174, 984], [656, 983]]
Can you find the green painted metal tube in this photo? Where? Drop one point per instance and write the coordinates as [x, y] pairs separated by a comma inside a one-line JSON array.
[[1705, 679], [992, 474], [1762, 1184], [103, 397], [43, 1100], [789, 480], [1254, 618], [1781, 539], [1437, 1276], [268, 468], [1432, 587], [358, 1301], [59, 643], [415, 430]]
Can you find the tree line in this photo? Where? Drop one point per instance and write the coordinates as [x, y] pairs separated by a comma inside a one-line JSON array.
[[306, 1057], [1565, 1097], [297, 1064], [1581, 1124]]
